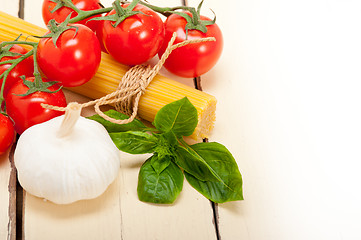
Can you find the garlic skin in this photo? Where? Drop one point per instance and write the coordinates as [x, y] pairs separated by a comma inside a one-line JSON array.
[[63, 169]]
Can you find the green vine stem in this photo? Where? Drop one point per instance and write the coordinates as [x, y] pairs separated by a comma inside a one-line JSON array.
[[38, 80], [165, 11], [13, 63], [84, 14], [37, 85]]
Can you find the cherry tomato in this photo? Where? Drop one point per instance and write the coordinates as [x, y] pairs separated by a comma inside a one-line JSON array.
[[25, 67], [60, 14], [75, 58], [26, 111], [99, 34], [7, 133], [195, 59], [136, 39]]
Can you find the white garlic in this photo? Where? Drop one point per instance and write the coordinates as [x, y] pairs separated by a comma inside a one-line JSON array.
[[67, 158]]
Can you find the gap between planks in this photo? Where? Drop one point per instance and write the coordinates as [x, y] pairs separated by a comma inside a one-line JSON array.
[[20, 194], [16, 203], [16, 193], [213, 204], [12, 197], [197, 84]]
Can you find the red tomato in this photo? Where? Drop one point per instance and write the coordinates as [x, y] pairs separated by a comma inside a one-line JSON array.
[[99, 33], [27, 111], [75, 58], [61, 14], [195, 59], [25, 67], [7, 133], [136, 39]]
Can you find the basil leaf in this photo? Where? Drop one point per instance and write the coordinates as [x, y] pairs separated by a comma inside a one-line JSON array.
[[160, 163], [194, 164], [180, 116], [170, 138], [159, 188], [134, 142], [229, 188], [135, 125]]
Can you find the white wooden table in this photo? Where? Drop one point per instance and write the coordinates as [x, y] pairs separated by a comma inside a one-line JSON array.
[[288, 90]]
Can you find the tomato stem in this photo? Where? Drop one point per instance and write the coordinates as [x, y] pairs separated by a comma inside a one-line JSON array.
[[3, 44], [195, 17], [123, 13], [69, 4], [82, 14], [36, 73], [193, 23], [56, 29], [38, 84]]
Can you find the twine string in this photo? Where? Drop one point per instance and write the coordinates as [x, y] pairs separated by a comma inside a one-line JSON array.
[[131, 87]]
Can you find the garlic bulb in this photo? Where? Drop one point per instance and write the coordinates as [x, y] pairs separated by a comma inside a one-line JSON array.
[[67, 158]]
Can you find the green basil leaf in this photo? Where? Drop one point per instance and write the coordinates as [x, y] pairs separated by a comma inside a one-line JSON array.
[[135, 125], [170, 138], [159, 188], [159, 163], [217, 156], [180, 116], [194, 164], [134, 142]]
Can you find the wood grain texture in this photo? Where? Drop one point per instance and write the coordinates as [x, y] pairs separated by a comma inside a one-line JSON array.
[[7, 227], [189, 217], [7, 171]]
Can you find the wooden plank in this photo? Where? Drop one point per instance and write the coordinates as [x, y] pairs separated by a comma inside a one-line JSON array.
[[190, 217], [118, 214], [7, 227], [7, 170], [10, 7]]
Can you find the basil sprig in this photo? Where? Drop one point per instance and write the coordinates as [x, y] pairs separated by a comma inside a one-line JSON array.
[[208, 166]]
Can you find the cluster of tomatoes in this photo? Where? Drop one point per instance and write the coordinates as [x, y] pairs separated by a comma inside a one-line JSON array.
[[74, 56], [140, 37]]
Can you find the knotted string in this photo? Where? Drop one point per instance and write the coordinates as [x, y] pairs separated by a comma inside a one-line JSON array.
[[132, 86]]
